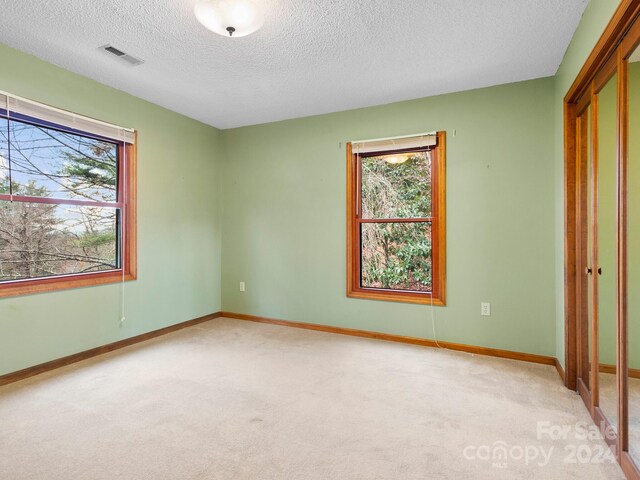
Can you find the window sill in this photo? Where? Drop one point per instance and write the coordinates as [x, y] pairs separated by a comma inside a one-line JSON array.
[[402, 297], [51, 284]]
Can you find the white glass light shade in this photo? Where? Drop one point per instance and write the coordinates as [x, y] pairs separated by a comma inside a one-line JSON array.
[[396, 159], [231, 18]]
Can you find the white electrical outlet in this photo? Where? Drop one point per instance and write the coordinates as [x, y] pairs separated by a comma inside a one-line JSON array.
[[242, 286], [485, 309]]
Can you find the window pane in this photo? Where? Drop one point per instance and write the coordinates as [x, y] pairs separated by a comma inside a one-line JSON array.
[[40, 240], [49, 163], [4, 157], [396, 256], [396, 186]]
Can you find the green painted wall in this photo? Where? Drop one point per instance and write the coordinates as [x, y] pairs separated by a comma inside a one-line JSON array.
[[633, 247], [178, 225], [284, 218], [279, 216], [607, 220], [592, 24], [607, 192]]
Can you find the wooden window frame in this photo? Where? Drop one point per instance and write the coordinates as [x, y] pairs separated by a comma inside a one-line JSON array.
[[437, 296], [127, 202]]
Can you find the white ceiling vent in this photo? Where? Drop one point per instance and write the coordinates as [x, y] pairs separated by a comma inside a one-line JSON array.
[[122, 56]]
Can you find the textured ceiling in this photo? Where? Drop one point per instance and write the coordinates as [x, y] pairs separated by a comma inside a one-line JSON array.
[[311, 56]]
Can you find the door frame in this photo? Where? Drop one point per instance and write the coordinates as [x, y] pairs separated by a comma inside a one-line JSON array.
[[623, 18], [620, 38]]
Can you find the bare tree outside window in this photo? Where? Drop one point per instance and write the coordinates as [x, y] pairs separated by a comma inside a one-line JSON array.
[[75, 230]]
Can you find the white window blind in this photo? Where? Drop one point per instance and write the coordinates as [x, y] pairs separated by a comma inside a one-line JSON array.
[[421, 140], [40, 111]]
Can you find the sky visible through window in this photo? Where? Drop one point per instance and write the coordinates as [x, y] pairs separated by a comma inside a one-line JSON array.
[[40, 240]]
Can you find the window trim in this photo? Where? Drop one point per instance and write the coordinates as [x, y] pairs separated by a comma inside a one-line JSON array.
[[128, 204], [438, 234]]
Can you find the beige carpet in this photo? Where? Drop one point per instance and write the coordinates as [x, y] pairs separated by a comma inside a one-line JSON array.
[[609, 405], [609, 398], [239, 400]]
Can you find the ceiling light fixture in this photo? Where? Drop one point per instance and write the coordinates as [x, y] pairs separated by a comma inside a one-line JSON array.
[[230, 18]]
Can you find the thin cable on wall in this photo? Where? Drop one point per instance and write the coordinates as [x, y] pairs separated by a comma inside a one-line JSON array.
[[433, 321], [419, 140]]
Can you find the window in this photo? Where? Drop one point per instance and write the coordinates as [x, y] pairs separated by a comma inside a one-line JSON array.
[[67, 200], [396, 219]]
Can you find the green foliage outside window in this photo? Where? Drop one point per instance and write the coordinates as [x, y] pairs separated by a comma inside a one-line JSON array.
[[397, 255]]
